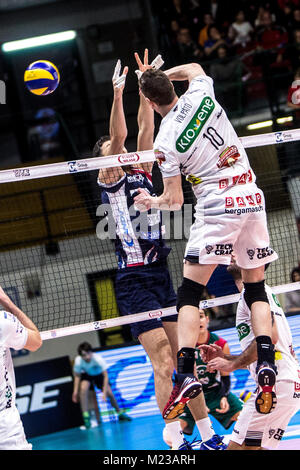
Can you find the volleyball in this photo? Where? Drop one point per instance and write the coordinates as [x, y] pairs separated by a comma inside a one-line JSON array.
[[41, 77], [245, 395]]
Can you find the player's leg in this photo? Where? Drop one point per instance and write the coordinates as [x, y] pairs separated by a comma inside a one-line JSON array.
[[189, 295], [261, 321], [84, 402], [156, 344]]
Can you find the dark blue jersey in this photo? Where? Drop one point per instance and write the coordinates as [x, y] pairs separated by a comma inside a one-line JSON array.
[[138, 238]]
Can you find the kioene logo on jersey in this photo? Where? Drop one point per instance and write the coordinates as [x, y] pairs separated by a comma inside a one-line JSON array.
[[191, 132]]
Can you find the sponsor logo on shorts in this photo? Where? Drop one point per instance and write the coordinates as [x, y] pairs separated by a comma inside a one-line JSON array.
[[155, 314], [192, 130], [276, 434], [238, 179], [243, 330], [129, 158], [243, 210], [220, 249], [259, 252]]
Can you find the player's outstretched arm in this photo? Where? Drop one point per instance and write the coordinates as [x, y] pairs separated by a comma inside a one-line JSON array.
[[229, 363], [117, 123], [34, 340], [117, 127], [170, 200], [185, 72], [145, 116]]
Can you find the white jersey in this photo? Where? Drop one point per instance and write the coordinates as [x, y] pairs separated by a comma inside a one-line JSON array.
[[12, 335], [96, 366], [287, 365], [197, 139]]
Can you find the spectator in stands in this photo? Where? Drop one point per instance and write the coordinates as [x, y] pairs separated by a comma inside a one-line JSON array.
[[259, 21], [285, 17], [271, 37], [188, 50], [203, 33], [271, 41], [227, 73], [215, 40], [240, 30], [219, 11], [90, 370], [293, 50], [296, 18], [292, 299]]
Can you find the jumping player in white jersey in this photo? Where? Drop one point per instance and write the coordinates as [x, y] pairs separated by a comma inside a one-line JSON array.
[[196, 139], [143, 281], [17, 331], [252, 430]]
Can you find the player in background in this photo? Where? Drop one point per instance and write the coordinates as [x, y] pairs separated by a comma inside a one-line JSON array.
[[222, 404], [254, 431], [90, 370], [17, 331], [143, 281], [196, 139]]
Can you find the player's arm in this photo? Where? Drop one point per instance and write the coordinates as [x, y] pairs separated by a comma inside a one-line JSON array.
[[117, 126], [34, 340], [171, 199], [185, 72], [76, 387], [228, 363], [145, 116]]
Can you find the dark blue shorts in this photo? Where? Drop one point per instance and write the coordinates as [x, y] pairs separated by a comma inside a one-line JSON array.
[[145, 288]]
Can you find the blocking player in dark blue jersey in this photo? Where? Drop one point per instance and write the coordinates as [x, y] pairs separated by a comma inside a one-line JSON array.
[[143, 281]]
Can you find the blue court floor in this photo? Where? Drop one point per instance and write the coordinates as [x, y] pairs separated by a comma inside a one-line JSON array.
[[140, 434]]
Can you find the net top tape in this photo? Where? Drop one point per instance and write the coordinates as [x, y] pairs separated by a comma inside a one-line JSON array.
[[131, 158]]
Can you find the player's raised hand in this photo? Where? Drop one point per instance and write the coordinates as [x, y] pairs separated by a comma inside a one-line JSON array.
[[142, 66], [119, 79]]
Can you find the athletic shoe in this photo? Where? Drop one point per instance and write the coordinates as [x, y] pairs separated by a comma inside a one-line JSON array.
[[215, 443], [189, 445], [185, 388], [266, 400], [124, 417]]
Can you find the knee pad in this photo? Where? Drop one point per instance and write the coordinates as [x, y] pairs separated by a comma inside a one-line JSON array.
[[189, 293], [255, 292]]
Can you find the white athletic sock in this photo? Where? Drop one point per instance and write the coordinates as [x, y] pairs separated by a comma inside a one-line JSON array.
[[175, 434], [205, 428]]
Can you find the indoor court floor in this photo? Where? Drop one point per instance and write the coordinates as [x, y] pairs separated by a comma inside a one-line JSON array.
[[143, 433]]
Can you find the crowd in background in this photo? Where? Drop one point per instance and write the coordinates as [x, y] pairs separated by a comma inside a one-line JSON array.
[[237, 42]]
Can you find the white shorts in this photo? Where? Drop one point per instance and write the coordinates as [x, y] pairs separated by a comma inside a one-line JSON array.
[[267, 430], [12, 436], [232, 221]]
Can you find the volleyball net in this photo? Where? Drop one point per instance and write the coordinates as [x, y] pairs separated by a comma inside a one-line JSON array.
[[57, 237]]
